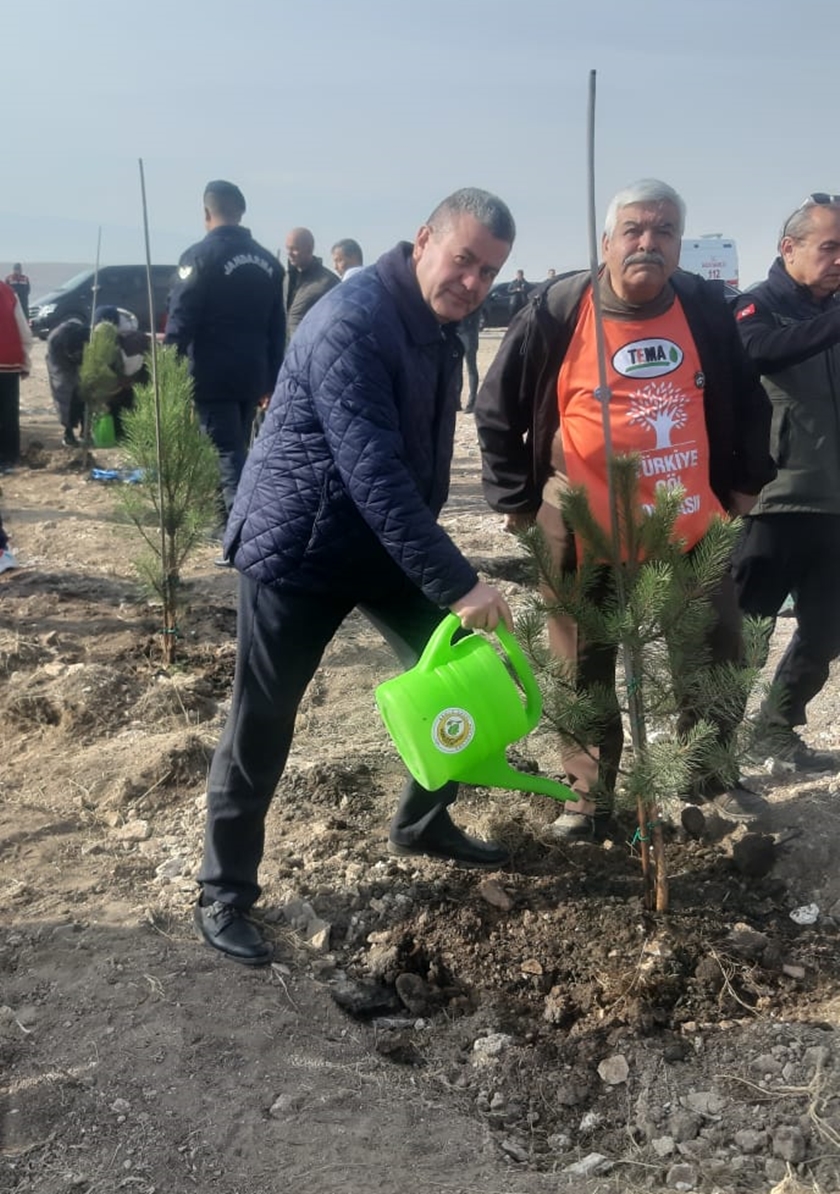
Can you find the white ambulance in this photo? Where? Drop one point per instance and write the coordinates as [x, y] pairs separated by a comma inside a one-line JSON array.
[[714, 257]]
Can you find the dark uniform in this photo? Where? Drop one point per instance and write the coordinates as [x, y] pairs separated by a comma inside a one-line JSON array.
[[226, 314], [791, 539]]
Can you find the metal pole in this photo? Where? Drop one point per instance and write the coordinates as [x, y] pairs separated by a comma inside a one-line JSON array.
[[632, 665], [603, 393], [87, 420], [632, 672], [95, 290], [156, 390]]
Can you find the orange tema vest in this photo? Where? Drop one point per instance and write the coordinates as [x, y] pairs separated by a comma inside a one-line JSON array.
[[656, 412]]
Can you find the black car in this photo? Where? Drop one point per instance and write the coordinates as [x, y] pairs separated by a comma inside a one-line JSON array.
[[496, 309], [117, 286]]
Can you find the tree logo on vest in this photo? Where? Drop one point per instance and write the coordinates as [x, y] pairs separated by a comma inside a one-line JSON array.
[[452, 730], [660, 406], [648, 358]]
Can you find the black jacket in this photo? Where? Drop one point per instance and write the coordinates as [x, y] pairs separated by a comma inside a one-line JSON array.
[[303, 288], [226, 314], [517, 413], [794, 340]]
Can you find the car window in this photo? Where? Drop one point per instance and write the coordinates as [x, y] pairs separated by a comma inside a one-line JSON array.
[[77, 280], [115, 278], [108, 291]]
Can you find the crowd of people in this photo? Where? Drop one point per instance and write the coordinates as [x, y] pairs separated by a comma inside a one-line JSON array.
[[335, 504]]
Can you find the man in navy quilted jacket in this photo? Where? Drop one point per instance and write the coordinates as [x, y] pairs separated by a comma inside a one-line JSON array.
[[337, 508]]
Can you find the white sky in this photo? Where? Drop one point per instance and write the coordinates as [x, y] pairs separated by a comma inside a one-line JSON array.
[[354, 117]]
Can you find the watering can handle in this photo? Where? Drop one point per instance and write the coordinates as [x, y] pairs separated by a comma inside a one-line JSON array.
[[440, 644], [533, 696]]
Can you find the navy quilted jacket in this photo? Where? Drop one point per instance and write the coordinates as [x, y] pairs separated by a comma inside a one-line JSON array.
[[351, 467]]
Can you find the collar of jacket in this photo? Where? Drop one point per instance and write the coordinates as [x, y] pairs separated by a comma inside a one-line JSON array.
[[229, 232], [396, 270], [792, 293], [313, 269]]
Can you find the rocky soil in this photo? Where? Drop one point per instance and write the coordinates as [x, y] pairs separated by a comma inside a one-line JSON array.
[[421, 1027]]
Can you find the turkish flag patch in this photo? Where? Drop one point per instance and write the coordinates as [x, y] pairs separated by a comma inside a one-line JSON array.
[[745, 311]]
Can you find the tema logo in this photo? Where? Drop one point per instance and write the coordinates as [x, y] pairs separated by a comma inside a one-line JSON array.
[[452, 730], [648, 358]]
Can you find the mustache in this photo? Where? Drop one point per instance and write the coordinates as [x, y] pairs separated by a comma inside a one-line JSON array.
[[642, 258]]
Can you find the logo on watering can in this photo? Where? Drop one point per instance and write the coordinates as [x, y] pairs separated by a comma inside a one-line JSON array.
[[452, 730]]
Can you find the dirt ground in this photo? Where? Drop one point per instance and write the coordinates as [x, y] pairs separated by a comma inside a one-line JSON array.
[[422, 1028]]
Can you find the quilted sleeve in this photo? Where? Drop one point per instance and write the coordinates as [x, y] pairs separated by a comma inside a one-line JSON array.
[[358, 385]]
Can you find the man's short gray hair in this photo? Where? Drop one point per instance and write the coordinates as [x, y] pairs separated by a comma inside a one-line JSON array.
[[798, 225], [646, 190], [488, 209]]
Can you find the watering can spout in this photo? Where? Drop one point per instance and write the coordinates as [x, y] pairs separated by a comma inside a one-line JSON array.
[[496, 772]]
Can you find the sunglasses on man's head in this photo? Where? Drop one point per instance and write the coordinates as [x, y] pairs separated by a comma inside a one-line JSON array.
[[815, 199], [820, 198]]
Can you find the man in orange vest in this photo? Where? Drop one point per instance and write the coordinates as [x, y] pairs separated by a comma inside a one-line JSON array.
[[683, 397]]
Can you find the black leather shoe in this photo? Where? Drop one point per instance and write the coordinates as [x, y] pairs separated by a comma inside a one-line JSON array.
[[446, 841], [229, 930]]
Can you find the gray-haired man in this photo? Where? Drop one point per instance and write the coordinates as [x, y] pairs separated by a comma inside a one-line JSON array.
[[790, 327], [538, 434]]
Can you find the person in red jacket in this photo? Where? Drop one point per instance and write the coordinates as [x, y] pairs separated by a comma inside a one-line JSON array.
[[15, 339], [7, 560]]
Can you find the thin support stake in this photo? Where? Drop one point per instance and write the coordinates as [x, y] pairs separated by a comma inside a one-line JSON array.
[[168, 596]]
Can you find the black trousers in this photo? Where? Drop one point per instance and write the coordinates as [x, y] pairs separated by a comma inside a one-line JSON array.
[[281, 637], [9, 418], [797, 554], [229, 426]]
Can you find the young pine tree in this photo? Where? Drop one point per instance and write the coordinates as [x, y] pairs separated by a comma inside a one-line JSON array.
[[100, 373], [175, 499], [101, 376], [649, 601]]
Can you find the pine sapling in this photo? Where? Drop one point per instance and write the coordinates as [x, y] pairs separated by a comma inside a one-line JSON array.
[[175, 499], [649, 601], [100, 377]]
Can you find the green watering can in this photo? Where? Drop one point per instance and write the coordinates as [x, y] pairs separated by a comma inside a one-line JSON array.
[[454, 713], [104, 432]]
